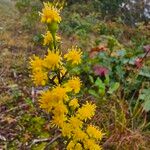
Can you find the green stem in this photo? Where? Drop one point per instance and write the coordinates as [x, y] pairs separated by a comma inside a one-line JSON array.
[[54, 40], [51, 46]]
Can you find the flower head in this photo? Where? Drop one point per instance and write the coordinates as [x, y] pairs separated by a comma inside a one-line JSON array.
[[78, 147], [52, 60], [60, 109], [75, 122], [87, 111], [74, 84], [74, 56], [48, 38], [46, 101], [71, 145], [79, 135], [91, 145], [36, 63], [94, 132], [50, 14], [74, 103], [58, 120], [59, 93], [67, 130], [39, 78]]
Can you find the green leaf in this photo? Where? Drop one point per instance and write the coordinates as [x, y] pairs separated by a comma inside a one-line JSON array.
[[101, 90], [98, 82], [92, 92], [106, 81], [145, 72], [113, 87], [145, 96], [100, 85], [121, 53], [37, 38], [29, 101], [146, 105], [91, 79]]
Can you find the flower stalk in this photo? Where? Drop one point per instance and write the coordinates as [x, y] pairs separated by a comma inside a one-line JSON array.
[[53, 71]]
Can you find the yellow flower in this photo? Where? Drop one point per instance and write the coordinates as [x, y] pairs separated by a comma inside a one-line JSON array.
[[58, 120], [71, 145], [39, 78], [87, 111], [78, 147], [59, 94], [50, 14], [79, 135], [60, 109], [75, 122], [93, 132], [36, 63], [91, 145], [74, 55], [46, 102], [48, 38], [67, 130], [52, 60], [74, 103], [74, 84]]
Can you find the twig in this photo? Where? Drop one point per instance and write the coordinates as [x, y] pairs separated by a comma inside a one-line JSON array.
[[50, 140], [145, 55], [2, 72], [2, 138], [15, 108]]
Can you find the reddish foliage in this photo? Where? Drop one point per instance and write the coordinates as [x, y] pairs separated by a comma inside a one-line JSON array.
[[100, 71], [96, 50]]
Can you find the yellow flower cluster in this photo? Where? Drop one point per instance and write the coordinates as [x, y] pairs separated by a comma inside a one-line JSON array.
[[59, 100], [67, 114], [43, 69]]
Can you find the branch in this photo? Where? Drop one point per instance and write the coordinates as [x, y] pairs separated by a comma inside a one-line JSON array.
[[50, 140], [15, 108]]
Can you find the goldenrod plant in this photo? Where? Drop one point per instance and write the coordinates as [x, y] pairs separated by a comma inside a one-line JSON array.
[[53, 73]]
